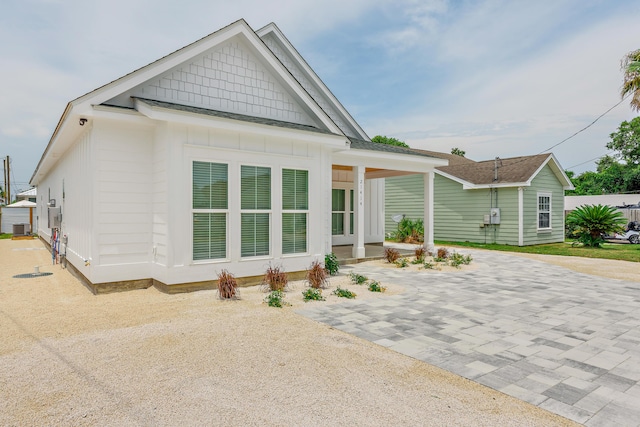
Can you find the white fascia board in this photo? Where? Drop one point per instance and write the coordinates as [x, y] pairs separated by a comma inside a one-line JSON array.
[[386, 160], [121, 114], [311, 75], [239, 28], [557, 170], [195, 119]]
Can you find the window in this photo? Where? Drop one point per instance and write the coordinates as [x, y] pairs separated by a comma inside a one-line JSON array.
[[351, 211], [295, 205], [255, 205], [544, 211], [210, 210], [337, 211]]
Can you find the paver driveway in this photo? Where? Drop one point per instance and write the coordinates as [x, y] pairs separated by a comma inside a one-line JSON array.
[[565, 341]]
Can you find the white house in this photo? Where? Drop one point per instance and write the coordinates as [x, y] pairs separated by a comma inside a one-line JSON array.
[[229, 153]]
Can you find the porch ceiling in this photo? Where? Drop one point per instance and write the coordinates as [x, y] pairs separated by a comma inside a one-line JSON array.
[[371, 173]]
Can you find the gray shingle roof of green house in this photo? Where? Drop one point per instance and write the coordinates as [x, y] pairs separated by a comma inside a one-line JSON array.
[[360, 144], [511, 170]]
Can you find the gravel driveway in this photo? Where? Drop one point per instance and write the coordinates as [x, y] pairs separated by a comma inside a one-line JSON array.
[[68, 357]]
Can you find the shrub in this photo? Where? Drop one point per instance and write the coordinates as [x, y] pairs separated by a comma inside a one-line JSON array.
[[409, 231], [420, 253], [428, 266], [275, 279], [331, 264], [227, 285], [590, 222], [391, 255], [312, 294], [442, 253], [402, 262], [317, 275], [276, 299], [357, 279], [344, 293], [376, 287]]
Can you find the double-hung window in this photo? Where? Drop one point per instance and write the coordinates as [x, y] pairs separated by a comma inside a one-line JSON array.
[[209, 210], [295, 210], [255, 210], [337, 211], [544, 211]]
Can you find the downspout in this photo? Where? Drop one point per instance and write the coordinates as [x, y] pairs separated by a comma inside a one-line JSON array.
[[520, 216]]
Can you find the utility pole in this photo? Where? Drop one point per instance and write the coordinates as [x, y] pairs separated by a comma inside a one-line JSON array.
[[7, 183]]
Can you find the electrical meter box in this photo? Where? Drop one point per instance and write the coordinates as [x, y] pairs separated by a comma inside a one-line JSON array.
[[55, 217], [495, 215]]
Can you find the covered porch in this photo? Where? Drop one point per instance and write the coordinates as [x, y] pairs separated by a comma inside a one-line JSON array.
[[373, 251], [357, 215]]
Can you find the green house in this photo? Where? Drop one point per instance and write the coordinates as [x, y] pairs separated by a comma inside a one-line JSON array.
[[515, 201]]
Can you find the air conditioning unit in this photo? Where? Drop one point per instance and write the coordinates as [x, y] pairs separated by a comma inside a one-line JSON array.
[[21, 230]]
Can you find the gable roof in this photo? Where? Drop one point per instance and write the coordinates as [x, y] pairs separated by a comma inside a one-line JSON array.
[[300, 69], [67, 129], [512, 172], [454, 159]]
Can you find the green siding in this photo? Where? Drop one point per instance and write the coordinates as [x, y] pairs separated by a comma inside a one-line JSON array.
[[458, 213], [545, 182], [403, 195]]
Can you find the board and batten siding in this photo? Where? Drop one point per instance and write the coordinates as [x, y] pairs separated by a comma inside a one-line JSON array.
[[71, 185], [544, 182], [178, 146], [124, 190]]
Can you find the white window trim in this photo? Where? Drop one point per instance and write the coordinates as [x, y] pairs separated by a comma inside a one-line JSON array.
[[257, 211], [538, 211], [225, 211], [346, 219], [291, 211]]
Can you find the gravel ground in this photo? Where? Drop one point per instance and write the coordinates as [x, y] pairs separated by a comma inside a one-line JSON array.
[[68, 357]]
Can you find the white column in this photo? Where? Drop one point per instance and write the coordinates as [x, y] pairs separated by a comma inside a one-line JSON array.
[[428, 211], [358, 199], [520, 216]]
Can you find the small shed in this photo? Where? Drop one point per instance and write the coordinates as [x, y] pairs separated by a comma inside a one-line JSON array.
[[21, 212]]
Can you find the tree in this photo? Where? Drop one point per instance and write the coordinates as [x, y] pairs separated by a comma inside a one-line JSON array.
[[626, 140], [458, 152], [389, 141], [631, 83], [590, 222]]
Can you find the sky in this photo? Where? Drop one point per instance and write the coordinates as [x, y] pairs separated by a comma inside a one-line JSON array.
[[495, 78]]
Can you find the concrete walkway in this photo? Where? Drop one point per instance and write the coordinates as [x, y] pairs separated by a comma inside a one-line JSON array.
[[565, 341]]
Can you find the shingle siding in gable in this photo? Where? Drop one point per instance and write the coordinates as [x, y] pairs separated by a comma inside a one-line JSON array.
[[228, 78], [309, 86]]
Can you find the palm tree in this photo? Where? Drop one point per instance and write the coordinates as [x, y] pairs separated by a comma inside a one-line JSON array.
[[590, 222], [631, 84]]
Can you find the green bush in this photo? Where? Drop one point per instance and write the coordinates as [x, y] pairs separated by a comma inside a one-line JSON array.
[[409, 231], [456, 260], [376, 287], [276, 299], [344, 293], [331, 264], [312, 294], [357, 279], [590, 222], [402, 263]]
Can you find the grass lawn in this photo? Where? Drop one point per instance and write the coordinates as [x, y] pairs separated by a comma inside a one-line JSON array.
[[621, 251], [5, 235]]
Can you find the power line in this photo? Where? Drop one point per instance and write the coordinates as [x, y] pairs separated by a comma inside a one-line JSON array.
[[586, 127], [595, 158]]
